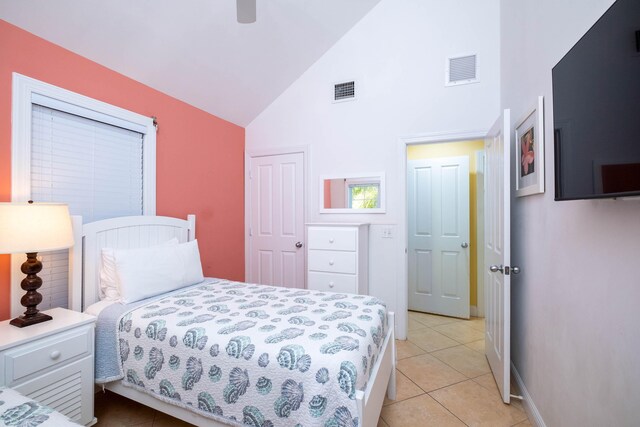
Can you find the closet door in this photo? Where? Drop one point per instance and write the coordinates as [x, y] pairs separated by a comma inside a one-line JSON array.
[[276, 229]]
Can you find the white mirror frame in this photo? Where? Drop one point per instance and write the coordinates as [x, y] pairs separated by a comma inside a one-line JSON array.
[[361, 176]]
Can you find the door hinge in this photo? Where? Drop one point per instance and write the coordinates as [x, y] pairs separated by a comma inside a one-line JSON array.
[[250, 174], [250, 232]]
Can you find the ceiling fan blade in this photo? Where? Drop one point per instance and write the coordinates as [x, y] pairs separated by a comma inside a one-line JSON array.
[[246, 10]]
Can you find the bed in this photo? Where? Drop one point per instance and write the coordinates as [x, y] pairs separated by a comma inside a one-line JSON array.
[[18, 410], [300, 341]]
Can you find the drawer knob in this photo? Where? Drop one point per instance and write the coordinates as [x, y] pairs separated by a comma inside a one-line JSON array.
[[331, 240], [331, 284], [331, 262], [55, 355]]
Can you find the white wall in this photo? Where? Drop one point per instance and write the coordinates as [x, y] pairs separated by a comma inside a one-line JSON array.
[[575, 341], [397, 56]]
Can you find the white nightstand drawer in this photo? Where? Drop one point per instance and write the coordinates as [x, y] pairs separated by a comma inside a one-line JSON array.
[[332, 261], [28, 359], [332, 238], [330, 282]]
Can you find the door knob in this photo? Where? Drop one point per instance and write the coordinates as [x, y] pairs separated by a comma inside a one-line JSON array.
[[298, 245], [464, 245], [495, 268], [515, 270]]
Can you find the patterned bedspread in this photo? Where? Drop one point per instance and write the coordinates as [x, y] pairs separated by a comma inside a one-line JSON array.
[[17, 410], [254, 354]]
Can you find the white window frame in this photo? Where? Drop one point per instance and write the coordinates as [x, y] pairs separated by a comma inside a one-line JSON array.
[[25, 90], [349, 183], [378, 177]]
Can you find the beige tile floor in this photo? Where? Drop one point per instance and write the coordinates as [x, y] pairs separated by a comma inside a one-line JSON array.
[[443, 379]]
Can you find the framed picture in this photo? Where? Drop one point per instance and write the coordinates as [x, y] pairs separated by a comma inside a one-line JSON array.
[[529, 152]]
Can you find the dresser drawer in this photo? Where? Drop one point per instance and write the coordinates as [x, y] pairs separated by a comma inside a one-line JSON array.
[[58, 349], [332, 238], [330, 282], [332, 261]]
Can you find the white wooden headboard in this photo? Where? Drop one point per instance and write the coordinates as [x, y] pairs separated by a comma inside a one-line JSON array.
[[118, 233]]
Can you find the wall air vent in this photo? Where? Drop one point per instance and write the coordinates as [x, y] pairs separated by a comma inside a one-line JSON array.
[[462, 70], [345, 91]]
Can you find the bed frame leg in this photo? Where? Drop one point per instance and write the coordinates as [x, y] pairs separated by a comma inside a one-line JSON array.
[[391, 388]]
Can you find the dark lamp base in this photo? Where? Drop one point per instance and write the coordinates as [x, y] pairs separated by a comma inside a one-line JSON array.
[[31, 267], [23, 321]]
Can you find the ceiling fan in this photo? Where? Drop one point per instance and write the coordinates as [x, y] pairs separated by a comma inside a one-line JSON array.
[[246, 10]]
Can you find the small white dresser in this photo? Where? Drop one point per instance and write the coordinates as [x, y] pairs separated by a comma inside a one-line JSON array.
[[52, 362], [338, 257]]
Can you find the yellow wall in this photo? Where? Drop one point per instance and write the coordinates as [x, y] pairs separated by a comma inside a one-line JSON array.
[[450, 149]]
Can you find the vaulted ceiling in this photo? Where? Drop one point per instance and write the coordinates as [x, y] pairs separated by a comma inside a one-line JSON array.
[[195, 50]]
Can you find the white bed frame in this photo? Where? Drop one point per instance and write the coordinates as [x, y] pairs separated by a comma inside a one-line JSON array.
[[141, 231]]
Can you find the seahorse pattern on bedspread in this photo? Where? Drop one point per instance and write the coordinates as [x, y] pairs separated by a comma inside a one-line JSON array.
[[254, 354]]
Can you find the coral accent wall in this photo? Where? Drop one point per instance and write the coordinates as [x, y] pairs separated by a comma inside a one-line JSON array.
[[200, 157]]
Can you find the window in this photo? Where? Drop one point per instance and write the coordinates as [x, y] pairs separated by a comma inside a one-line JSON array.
[[95, 168], [352, 193], [95, 157], [363, 196]]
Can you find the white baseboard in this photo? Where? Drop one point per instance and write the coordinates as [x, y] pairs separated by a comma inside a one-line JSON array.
[[527, 402], [474, 311]]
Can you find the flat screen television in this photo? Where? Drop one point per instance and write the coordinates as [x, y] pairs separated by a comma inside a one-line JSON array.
[[596, 109]]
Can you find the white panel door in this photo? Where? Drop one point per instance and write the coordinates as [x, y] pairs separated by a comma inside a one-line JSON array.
[[497, 253], [276, 253], [438, 201]]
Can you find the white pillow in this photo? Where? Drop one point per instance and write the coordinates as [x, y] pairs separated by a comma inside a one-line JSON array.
[[145, 272], [108, 280]]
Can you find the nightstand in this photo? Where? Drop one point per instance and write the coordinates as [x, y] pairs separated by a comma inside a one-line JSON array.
[[52, 362]]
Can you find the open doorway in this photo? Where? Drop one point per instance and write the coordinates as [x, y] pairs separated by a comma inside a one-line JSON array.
[[493, 294], [445, 192]]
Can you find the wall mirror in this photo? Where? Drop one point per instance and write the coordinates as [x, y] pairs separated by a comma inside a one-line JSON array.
[[362, 193]]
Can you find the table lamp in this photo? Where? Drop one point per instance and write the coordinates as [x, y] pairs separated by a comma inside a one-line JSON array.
[[31, 228]]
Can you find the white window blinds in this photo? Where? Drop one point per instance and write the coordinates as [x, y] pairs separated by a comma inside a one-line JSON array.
[[96, 168]]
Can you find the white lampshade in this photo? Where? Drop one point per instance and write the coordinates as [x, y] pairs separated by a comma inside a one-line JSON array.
[[34, 227]]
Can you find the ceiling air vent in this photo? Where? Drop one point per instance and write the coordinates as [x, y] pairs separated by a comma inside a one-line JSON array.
[[345, 91], [461, 70]]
